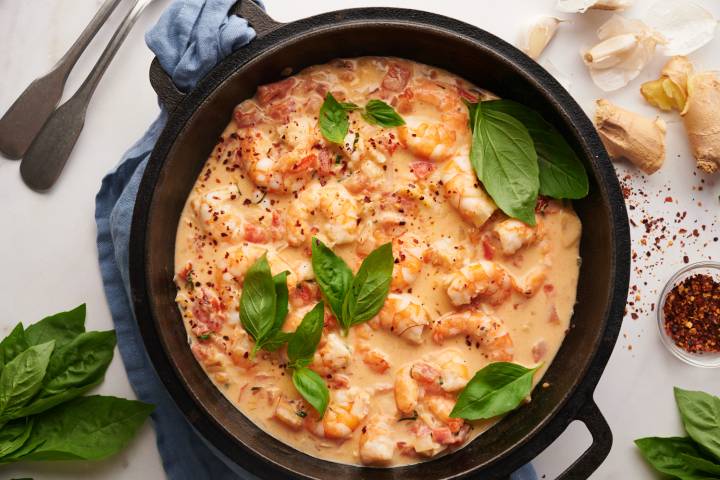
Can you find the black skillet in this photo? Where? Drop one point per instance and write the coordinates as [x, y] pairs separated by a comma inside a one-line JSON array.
[[197, 118]]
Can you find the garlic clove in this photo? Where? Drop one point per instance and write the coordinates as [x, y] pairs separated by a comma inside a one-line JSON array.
[[538, 35], [581, 6], [686, 25], [610, 52]]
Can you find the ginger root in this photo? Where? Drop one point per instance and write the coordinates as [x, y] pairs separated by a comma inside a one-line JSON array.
[[633, 137], [697, 98]]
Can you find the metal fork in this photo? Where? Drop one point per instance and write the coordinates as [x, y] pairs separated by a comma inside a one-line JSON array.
[[42, 164], [26, 116]]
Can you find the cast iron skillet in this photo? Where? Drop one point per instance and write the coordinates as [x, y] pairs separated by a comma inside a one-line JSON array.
[[192, 129]]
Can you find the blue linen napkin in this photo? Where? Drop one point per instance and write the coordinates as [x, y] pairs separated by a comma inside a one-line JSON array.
[[188, 40]]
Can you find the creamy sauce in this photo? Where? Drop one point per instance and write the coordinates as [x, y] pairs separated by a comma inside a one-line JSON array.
[[273, 182]]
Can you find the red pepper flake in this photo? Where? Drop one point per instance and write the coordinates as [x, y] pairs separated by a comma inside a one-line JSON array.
[[692, 314]]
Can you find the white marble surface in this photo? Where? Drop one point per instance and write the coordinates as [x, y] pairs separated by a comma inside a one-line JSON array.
[[50, 263]]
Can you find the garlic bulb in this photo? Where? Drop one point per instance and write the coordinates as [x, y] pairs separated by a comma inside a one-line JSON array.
[[581, 6], [625, 48], [538, 34]]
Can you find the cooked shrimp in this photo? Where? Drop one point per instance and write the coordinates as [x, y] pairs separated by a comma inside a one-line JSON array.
[[407, 390], [445, 253], [286, 412], [480, 279], [441, 406], [434, 141], [454, 373], [346, 410], [404, 315], [330, 212], [483, 328], [464, 192], [514, 235], [217, 214], [332, 355], [280, 159], [376, 443], [373, 357], [407, 250]]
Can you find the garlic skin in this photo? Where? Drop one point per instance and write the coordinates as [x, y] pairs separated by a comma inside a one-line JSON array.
[[685, 25], [625, 48], [631, 136], [538, 34], [581, 6]]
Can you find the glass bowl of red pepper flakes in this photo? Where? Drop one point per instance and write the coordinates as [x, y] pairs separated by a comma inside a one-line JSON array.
[[689, 314]]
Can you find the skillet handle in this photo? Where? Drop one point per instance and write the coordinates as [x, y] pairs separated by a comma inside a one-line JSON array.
[[596, 453], [170, 96]]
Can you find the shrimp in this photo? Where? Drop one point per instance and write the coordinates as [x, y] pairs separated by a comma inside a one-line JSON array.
[[434, 141], [286, 412], [376, 443], [481, 327], [280, 159], [406, 391], [454, 373], [239, 348], [332, 355], [407, 251], [217, 214], [441, 406], [372, 356], [514, 235], [446, 254], [347, 409], [480, 279], [463, 191], [404, 315], [329, 211]]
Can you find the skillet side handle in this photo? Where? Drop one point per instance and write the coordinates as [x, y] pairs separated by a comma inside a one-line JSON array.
[[161, 82], [598, 451]]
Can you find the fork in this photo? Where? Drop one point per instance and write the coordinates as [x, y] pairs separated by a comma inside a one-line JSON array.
[[45, 159], [26, 116]]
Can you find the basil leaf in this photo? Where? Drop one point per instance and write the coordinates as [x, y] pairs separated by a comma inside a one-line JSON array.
[[82, 361], [87, 428], [562, 174], [504, 159], [258, 301], [494, 390], [13, 345], [700, 414], [281, 300], [700, 464], [370, 287], [664, 454], [304, 341], [22, 378], [14, 435], [312, 387], [333, 276], [333, 120], [380, 113], [349, 106], [276, 341], [61, 327], [41, 404]]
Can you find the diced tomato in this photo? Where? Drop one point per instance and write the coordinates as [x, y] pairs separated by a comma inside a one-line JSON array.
[[548, 288], [539, 350], [275, 91], [444, 436], [281, 111], [424, 372], [306, 163], [554, 317], [304, 293], [325, 162], [396, 77], [467, 95], [207, 312], [488, 248], [247, 118], [422, 169]]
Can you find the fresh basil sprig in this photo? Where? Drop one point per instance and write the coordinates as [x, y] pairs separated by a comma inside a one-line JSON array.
[[380, 113], [517, 155], [300, 350], [44, 369], [353, 299], [334, 122], [700, 413], [504, 159], [264, 306], [494, 390], [696, 457], [562, 174]]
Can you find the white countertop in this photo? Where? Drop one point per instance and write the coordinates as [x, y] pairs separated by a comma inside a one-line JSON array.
[[50, 261]]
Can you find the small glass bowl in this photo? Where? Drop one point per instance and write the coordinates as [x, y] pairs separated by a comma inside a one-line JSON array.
[[706, 360]]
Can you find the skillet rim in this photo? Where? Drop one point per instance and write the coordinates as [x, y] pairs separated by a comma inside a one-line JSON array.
[[556, 420]]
